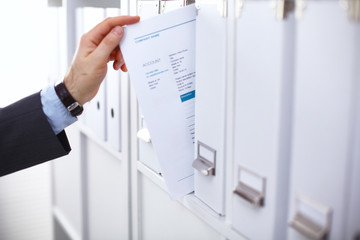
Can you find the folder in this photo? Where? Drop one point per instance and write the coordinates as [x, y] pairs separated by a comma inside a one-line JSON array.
[[210, 120]]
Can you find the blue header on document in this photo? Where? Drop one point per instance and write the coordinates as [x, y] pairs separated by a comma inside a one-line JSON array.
[[187, 96]]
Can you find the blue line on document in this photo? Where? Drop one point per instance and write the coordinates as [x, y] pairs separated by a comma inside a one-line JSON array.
[[185, 177], [165, 29]]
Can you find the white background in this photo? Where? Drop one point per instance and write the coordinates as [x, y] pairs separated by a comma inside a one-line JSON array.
[[25, 198]]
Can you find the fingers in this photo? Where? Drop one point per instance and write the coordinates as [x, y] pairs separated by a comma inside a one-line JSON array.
[[103, 52], [119, 60], [102, 29], [113, 55], [124, 68]]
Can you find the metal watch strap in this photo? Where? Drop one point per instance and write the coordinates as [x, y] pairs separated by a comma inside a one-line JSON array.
[[69, 102]]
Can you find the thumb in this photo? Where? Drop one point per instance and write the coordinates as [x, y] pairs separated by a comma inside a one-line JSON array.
[[108, 44]]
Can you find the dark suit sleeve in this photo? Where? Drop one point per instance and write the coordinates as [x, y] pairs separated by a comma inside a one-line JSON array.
[[26, 137]]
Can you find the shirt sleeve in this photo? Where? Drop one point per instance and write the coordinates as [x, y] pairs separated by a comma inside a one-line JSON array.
[[57, 114]]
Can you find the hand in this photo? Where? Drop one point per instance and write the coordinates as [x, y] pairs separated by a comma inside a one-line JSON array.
[[97, 47]]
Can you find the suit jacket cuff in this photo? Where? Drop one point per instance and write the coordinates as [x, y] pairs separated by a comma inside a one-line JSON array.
[[26, 137]]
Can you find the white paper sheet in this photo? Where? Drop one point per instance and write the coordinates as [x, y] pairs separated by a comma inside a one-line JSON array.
[[160, 56]]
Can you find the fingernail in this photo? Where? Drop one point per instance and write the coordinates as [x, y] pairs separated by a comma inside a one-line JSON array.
[[118, 31]]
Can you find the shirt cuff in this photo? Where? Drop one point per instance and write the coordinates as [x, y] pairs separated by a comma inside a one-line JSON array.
[[57, 114]]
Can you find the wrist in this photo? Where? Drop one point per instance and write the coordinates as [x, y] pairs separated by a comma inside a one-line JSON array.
[[73, 88], [73, 106], [69, 83]]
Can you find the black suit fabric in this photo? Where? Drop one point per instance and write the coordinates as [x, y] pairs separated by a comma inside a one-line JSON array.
[[26, 137]]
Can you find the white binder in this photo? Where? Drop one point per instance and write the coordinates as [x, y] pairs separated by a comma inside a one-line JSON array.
[[325, 144], [264, 64], [209, 162]]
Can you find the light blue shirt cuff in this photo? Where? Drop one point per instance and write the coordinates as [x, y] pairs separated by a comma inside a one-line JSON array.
[[57, 114]]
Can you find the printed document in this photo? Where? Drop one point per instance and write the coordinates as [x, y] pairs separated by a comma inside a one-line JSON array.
[[160, 56]]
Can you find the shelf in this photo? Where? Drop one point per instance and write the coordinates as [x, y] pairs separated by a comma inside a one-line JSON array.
[[55, 3], [194, 205], [62, 220], [103, 144], [98, 3]]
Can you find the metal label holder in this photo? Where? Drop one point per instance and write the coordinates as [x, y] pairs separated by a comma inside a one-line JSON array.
[[352, 7], [203, 165], [308, 227], [143, 134], [247, 192]]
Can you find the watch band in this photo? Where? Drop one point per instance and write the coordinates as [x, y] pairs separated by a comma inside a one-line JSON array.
[[69, 102]]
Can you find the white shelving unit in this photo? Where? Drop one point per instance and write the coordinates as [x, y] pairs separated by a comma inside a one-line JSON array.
[[100, 193]]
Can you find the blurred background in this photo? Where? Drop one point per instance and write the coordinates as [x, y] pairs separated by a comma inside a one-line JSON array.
[[24, 55]]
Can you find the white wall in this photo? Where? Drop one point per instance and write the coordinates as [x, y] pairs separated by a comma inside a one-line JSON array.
[[24, 196], [25, 205], [23, 48]]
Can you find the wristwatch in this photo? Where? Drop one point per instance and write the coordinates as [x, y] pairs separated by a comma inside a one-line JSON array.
[[69, 102]]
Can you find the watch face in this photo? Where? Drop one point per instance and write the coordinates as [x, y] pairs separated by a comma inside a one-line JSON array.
[[75, 109], [73, 106]]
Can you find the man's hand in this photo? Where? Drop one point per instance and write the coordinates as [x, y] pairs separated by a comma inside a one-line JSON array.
[[97, 47]]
